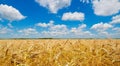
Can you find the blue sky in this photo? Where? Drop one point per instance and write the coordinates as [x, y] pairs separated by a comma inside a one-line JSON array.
[[59, 19]]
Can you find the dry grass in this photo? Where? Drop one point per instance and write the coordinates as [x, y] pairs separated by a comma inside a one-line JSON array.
[[60, 52]]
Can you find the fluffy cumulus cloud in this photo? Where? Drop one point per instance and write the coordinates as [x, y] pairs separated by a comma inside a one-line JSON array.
[[76, 16], [78, 29], [4, 30], [115, 19], [53, 30], [109, 29], [62, 30], [45, 24], [10, 13], [86, 1], [56, 31], [101, 26], [28, 31], [105, 7], [81, 31], [103, 30], [116, 33], [117, 29], [54, 5], [59, 29]]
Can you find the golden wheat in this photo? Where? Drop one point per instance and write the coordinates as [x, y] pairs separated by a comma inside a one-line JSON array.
[[60, 52]]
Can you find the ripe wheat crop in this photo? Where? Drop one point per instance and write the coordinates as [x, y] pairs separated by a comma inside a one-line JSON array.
[[60, 52]]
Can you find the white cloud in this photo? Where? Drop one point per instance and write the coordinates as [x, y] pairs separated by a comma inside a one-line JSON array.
[[55, 30], [10, 13], [82, 26], [54, 33], [116, 32], [80, 31], [62, 30], [42, 25], [76, 16], [59, 30], [101, 26], [58, 27], [105, 7], [117, 29], [103, 30], [104, 34], [115, 19], [28, 31], [45, 24], [4, 30], [85, 1], [54, 5]]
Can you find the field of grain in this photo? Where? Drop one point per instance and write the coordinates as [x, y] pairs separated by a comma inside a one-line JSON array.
[[60, 52]]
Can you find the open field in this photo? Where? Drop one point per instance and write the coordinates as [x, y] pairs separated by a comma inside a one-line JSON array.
[[60, 52]]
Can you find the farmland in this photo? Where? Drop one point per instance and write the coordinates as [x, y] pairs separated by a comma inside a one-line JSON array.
[[60, 52]]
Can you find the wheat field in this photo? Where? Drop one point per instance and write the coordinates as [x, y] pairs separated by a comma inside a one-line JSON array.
[[60, 52]]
